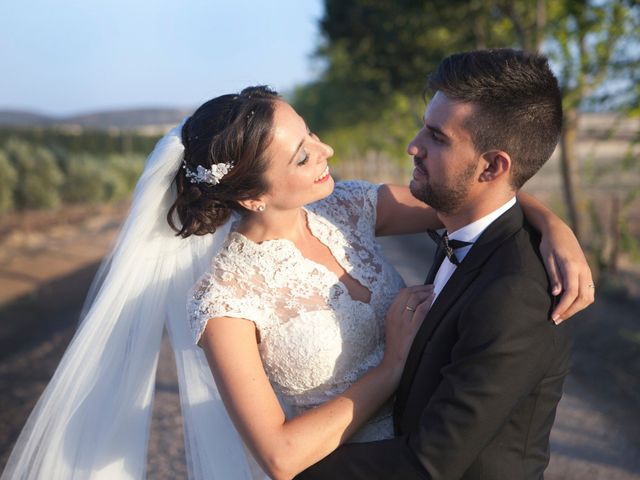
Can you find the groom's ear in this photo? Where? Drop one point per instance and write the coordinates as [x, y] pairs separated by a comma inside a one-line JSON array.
[[496, 164]]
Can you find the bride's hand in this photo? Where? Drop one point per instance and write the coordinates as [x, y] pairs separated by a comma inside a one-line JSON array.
[[568, 271], [403, 320]]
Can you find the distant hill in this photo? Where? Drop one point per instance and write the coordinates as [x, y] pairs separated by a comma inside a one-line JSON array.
[[148, 119], [22, 118], [156, 121]]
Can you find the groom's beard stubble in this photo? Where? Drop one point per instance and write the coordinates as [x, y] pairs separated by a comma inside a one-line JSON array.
[[444, 198]]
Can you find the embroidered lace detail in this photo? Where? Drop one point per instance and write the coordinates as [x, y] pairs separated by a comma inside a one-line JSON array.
[[315, 339]]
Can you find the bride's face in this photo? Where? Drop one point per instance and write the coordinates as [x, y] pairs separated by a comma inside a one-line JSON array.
[[298, 172]]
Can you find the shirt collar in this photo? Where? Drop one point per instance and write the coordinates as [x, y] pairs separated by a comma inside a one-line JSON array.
[[471, 232]]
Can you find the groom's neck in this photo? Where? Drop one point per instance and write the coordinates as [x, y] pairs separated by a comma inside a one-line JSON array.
[[474, 208]]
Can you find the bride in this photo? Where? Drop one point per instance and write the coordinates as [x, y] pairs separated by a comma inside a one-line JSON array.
[[304, 324]]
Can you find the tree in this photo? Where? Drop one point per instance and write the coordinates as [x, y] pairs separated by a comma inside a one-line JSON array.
[[8, 180], [591, 42], [390, 47], [39, 177]]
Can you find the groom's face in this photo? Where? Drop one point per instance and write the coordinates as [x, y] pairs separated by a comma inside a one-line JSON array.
[[444, 157]]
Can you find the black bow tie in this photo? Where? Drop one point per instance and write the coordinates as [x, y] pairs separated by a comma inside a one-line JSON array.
[[448, 245]]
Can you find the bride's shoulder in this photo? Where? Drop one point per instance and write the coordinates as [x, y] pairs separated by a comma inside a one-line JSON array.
[[233, 286], [239, 264], [226, 267]]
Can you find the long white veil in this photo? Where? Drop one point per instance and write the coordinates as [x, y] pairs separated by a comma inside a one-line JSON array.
[[92, 421]]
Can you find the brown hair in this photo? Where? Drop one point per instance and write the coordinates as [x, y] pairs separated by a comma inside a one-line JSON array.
[[235, 129], [519, 104]]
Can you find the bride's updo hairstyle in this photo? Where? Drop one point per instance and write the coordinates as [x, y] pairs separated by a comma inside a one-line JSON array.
[[231, 129]]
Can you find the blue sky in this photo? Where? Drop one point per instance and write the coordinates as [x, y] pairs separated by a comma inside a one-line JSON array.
[[74, 56]]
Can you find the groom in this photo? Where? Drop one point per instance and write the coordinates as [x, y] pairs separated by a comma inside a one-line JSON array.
[[480, 387]]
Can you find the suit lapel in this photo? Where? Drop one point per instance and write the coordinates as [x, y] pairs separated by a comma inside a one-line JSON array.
[[502, 228]]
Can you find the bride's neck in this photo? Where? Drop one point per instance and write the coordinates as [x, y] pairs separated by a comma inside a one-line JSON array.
[[274, 224]]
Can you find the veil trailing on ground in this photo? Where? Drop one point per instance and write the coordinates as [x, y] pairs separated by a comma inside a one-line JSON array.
[[92, 421]]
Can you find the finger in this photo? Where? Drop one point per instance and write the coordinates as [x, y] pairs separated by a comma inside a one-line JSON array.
[[417, 298], [584, 298], [571, 287], [401, 297], [554, 274], [424, 306], [421, 295], [419, 288], [421, 310]]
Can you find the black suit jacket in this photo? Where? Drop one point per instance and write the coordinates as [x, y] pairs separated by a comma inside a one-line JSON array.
[[483, 378]]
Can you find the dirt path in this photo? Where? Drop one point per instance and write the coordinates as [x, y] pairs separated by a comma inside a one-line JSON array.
[[596, 435], [44, 277]]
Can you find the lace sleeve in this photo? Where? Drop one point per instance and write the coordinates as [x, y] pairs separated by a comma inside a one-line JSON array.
[[221, 294]]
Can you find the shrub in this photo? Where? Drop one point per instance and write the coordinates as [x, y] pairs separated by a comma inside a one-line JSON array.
[[8, 180], [39, 177]]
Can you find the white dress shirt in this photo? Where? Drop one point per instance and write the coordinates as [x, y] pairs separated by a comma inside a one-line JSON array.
[[468, 233]]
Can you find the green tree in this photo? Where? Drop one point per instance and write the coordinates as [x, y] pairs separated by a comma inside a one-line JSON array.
[[390, 47], [596, 48], [96, 179], [39, 177], [377, 56], [84, 180], [127, 169], [8, 180]]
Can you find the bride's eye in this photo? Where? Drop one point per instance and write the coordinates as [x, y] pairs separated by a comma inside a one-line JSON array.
[[303, 158]]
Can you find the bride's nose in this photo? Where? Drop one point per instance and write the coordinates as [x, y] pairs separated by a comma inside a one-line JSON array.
[[327, 150]]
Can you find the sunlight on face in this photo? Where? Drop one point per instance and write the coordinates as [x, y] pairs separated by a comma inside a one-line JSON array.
[[298, 172], [445, 160]]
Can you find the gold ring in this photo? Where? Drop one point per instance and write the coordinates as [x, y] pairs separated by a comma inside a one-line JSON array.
[[411, 309]]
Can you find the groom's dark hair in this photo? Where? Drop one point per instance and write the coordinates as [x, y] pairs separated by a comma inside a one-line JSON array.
[[518, 104]]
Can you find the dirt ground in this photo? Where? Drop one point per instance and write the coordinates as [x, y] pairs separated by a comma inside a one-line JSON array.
[[45, 272]]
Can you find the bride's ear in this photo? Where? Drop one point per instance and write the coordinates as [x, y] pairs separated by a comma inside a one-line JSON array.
[[254, 205], [496, 164]]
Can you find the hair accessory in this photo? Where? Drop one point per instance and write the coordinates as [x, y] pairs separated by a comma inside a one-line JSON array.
[[211, 175]]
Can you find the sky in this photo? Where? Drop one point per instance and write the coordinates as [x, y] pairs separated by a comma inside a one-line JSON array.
[[66, 57]]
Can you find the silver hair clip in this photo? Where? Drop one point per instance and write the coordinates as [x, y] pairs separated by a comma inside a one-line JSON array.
[[211, 175]]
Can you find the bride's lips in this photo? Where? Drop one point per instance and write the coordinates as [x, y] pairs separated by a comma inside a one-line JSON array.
[[324, 176]]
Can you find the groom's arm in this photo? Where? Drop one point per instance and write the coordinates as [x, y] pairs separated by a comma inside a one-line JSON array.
[[504, 348]]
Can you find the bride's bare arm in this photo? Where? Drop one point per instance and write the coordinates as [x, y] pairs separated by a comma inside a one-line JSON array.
[[284, 447], [399, 212], [564, 259]]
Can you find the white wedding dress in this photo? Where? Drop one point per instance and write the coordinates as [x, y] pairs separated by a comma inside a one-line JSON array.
[[315, 340], [92, 421]]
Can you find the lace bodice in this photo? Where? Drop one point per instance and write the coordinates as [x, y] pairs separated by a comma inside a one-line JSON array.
[[315, 340]]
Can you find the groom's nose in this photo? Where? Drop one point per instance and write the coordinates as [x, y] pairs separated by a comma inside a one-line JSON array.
[[414, 148]]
